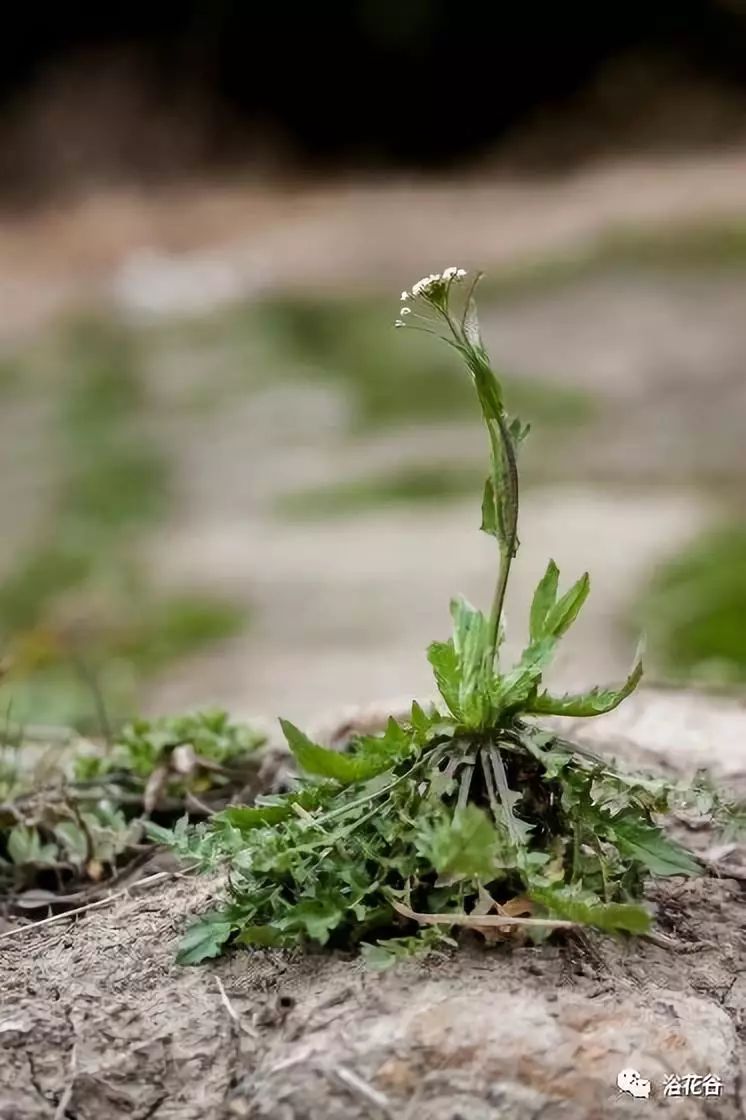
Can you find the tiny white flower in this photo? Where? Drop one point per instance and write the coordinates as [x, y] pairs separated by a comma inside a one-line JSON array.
[[400, 323], [406, 311], [423, 285], [434, 284], [404, 297]]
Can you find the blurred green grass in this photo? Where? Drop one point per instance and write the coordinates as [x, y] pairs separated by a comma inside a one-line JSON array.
[[394, 377], [114, 467], [407, 485], [711, 246], [694, 610], [78, 607]]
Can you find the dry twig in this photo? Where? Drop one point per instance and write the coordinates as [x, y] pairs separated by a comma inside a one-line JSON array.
[[479, 921]]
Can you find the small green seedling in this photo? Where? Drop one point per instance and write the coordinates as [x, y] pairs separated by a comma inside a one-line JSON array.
[[73, 823], [467, 816]]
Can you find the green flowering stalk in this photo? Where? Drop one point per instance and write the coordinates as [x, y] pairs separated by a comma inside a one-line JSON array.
[[468, 815]]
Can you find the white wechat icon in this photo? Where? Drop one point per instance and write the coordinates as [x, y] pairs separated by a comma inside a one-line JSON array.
[[629, 1081]]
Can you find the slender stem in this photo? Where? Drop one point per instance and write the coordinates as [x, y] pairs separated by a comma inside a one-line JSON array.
[[508, 542], [497, 602]]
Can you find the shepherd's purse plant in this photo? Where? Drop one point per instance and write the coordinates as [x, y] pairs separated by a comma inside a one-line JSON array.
[[468, 815]]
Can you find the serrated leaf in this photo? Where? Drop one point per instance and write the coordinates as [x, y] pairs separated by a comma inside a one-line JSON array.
[[248, 817], [544, 599], [315, 916], [564, 612], [420, 720], [203, 939], [587, 909], [325, 763], [464, 846], [471, 642], [651, 847], [442, 656], [383, 955], [594, 703], [513, 689]]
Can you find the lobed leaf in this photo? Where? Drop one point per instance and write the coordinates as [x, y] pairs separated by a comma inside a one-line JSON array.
[[464, 846], [444, 660], [514, 689], [471, 643], [325, 763], [203, 939], [594, 703], [650, 846], [248, 817], [586, 908]]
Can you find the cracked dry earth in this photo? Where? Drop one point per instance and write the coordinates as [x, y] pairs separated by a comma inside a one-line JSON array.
[[97, 1022]]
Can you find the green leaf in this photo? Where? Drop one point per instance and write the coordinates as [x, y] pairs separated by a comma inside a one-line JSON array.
[[442, 656], [464, 846], [471, 642], [203, 939], [594, 703], [73, 842], [25, 846], [422, 721], [514, 689], [575, 905], [158, 834], [316, 916], [259, 937], [650, 846], [383, 955], [248, 817], [325, 763], [564, 612], [487, 385], [544, 599]]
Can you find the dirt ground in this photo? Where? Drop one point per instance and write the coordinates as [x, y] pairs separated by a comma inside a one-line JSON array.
[[96, 1020]]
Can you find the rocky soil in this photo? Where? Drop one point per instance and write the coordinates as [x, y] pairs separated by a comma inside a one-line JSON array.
[[97, 1021]]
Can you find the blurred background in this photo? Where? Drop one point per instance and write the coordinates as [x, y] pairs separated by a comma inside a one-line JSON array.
[[224, 478]]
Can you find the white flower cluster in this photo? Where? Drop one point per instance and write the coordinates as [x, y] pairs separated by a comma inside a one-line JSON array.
[[431, 287]]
